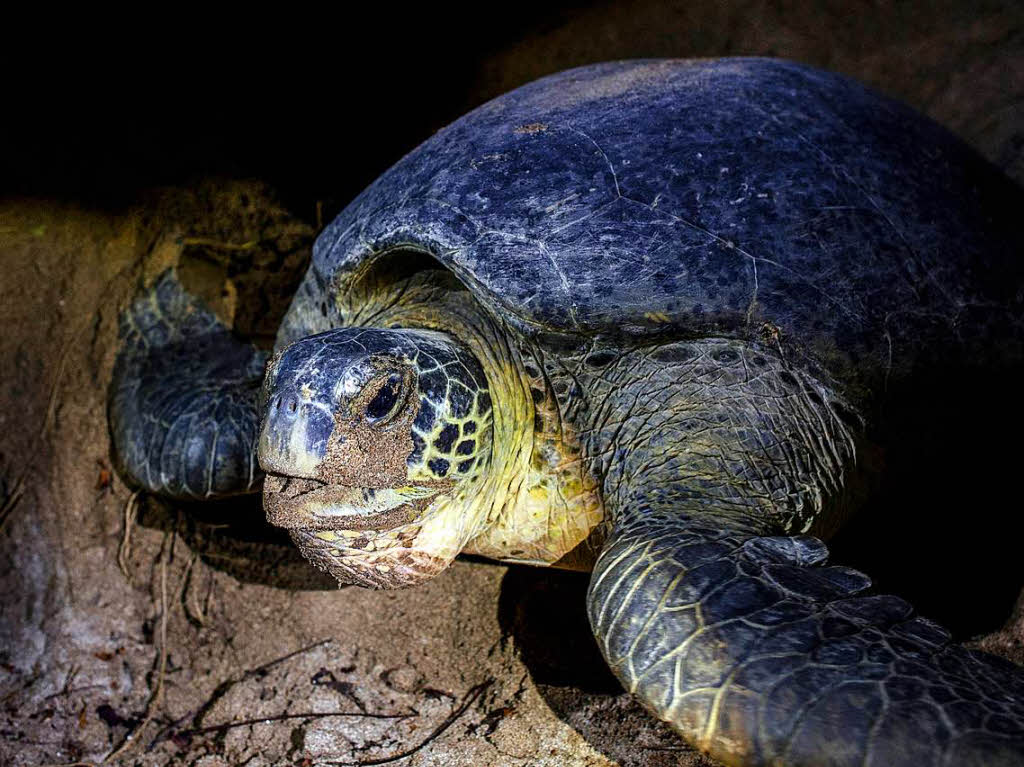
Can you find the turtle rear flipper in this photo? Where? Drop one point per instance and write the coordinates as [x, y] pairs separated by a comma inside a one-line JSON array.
[[183, 399], [759, 655]]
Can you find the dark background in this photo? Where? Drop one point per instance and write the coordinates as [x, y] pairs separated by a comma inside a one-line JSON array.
[[318, 103]]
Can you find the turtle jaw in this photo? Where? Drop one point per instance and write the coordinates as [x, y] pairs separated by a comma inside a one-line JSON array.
[[309, 504], [377, 538]]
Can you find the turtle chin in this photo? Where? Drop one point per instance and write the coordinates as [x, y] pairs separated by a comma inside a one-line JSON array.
[[382, 538], [386, 565]]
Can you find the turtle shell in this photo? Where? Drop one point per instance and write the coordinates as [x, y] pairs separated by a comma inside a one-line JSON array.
[[751, 198]]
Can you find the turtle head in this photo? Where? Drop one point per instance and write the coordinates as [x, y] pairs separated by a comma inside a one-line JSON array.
[[372, 441]]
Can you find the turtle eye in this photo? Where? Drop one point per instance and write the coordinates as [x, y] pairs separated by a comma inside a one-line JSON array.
[[385, 402]]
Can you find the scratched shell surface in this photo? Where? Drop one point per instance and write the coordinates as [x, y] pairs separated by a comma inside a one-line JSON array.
[[748, 198]]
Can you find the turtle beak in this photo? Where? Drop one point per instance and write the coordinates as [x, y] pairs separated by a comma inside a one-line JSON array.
[[305, 391], [295, 431]]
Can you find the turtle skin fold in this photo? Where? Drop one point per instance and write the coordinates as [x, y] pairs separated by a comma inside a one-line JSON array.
[[759, 654], [183, 399]]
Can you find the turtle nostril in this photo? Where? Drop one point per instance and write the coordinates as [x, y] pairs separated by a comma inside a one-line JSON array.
[[287, 405]]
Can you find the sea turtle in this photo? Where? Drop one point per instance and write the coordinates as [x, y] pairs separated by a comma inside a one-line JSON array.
[[643, 317]]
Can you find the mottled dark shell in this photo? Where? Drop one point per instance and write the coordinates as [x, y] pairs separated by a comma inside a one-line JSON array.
[[741, 197]]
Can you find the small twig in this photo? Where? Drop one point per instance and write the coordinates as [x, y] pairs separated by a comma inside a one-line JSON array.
[[168, 729], [259, 670], [209, 242], [468, 700], [154, 700], [124, 551], [285, 717], [76, 690], [193, 610]]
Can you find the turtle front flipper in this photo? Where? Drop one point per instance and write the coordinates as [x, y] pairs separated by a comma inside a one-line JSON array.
[[183, 399], [760, 655]]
